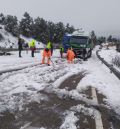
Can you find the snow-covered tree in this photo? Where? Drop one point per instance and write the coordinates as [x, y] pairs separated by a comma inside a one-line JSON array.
[[40, 29], [59, 32], [109, 39], [2, 18], [11, 25], [26, 24], [69, 29], [93, 38], [101, 39], [51, 28]]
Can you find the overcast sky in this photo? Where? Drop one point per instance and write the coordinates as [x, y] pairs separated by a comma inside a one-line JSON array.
[[102, 16]]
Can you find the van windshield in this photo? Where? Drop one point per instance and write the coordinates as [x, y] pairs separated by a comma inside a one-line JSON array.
[[78, 40]]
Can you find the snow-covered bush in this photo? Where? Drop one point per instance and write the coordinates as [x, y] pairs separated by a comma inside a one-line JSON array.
[[116, 61]]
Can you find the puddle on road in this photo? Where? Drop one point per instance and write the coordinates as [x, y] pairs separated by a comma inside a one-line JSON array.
[[85, 121]]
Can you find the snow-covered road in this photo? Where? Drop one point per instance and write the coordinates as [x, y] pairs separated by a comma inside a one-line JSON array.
[[19, 88]]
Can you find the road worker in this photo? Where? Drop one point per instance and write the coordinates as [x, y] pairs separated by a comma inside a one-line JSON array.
[[32, 47], [46, 55], [70, 55], [20, 46], [50, 47], [61, 51]]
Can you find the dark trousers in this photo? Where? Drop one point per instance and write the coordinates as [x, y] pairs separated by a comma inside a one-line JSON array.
[[61, 54], [51, 51], [32, 53], [20, 52]]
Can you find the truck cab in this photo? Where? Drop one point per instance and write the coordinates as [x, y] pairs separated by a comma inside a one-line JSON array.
[[80, 42]]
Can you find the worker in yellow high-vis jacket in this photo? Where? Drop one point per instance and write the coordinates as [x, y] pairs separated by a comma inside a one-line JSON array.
[[50, 47], [32, 47]]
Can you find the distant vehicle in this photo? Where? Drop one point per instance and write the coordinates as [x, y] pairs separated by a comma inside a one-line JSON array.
[[81, 43]]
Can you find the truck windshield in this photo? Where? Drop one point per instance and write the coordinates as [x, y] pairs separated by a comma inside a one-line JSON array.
[[78, 39]]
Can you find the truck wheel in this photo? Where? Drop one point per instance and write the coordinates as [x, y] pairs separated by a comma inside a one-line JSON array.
[[89, 54], [83, 54], [84, 57]]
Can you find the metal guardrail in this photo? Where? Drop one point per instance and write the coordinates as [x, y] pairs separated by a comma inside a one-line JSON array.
[[16, 49], [5, 51], [112, 69]]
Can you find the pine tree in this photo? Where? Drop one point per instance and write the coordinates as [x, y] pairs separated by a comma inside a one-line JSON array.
[[51, 29], [26, 24], [41, 30], [109, 39], [2, 18], [101, 40], [69, 29], [93, 38], [59, 32], [11, 25]]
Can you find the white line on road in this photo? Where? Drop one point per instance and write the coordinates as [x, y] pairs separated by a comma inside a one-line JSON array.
[[98, 119]]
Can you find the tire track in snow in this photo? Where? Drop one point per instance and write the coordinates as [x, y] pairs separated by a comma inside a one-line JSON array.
[[7, 86]]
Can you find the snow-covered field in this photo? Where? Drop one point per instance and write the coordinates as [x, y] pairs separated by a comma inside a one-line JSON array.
[[21, 87], [109, 55]]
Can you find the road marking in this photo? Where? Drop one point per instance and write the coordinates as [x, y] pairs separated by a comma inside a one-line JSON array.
[[26, 125], [98, 119]]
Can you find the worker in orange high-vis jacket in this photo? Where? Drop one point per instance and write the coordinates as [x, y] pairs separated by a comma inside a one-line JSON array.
[[46, 55], [70, 55]]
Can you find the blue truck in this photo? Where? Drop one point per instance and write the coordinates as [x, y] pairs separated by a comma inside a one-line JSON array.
[[80, 42]]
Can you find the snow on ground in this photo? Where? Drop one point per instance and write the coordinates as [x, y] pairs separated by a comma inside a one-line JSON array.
[[38, 44], [21, 87], [10, 41], [7, 62], [109, 55], [100, 77], [28, 81], [70, 121]]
